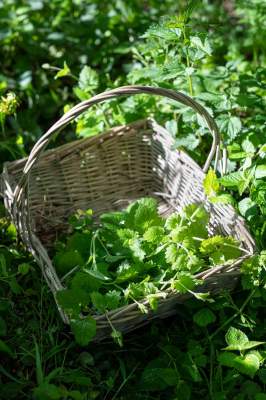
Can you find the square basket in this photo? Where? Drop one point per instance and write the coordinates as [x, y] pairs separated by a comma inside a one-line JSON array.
[[107, 172]]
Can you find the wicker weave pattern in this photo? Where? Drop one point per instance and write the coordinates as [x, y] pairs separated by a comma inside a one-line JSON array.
[[107, 172]]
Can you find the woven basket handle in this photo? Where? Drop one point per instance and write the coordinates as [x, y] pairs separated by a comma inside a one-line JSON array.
[[122, 91]]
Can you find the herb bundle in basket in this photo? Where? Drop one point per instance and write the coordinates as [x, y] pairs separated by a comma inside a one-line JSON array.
[[105, 173]]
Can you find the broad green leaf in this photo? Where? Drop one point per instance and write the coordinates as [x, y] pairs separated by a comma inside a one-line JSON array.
[[154, 234], [235, 337], [184, 283], [85, 282], [247, 364], [88, 79], [204, 317], [84, 330], [72, 300], [65, 261], [230, 126], [248, 208], [220, 248], [260, 172], [155, 378], [47, 391], [23, 268], [99, 301], [211, 183]]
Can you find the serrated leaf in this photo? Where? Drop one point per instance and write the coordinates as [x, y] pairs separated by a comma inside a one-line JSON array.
[[84, 330], [204, 317], [85, 282], [154, 234], [72, 300], [184, 283], [235, 337], [65, 261], [230, 126], [156, 377], [88, 79], [47, 391], [220, 248], [211, 183]]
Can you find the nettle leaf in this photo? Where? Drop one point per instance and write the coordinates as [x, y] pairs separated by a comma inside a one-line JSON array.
[[127, 271], [143, 214], [154, 234], [72, 300], [248, 208], [80, 242], [184, 283], [48, 391], [230, 126], [85, 282], [204, 317], [220, 248], [104, 302], [88, 79], [65, 261], [235, 337], [84, 330], [211, 183], [172, 253], [157, 376], [173, 221]]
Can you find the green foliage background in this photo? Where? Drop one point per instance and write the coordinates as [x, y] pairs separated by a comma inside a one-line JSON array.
[[55, 53]]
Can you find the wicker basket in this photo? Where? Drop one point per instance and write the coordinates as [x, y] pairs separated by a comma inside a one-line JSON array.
[[106, 172]]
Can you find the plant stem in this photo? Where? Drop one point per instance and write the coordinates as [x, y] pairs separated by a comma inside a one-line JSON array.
[[234, 315]]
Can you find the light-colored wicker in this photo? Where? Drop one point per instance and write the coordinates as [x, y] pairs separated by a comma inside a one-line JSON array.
[[106, 172]]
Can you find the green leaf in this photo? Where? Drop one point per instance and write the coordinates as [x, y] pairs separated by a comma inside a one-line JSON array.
[[85, 282], [260, 172], [72, 300], [235, 337], [244, 346], [65, 261], [247, 364], [184, 283], [220, 248], [47, 391], [154, 234], [248, 208], [211, 183], [88, 79], [65, 71], [99, 301], [84, 330], [156, 378], [230, 126], [204, 317], [23, 268]]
